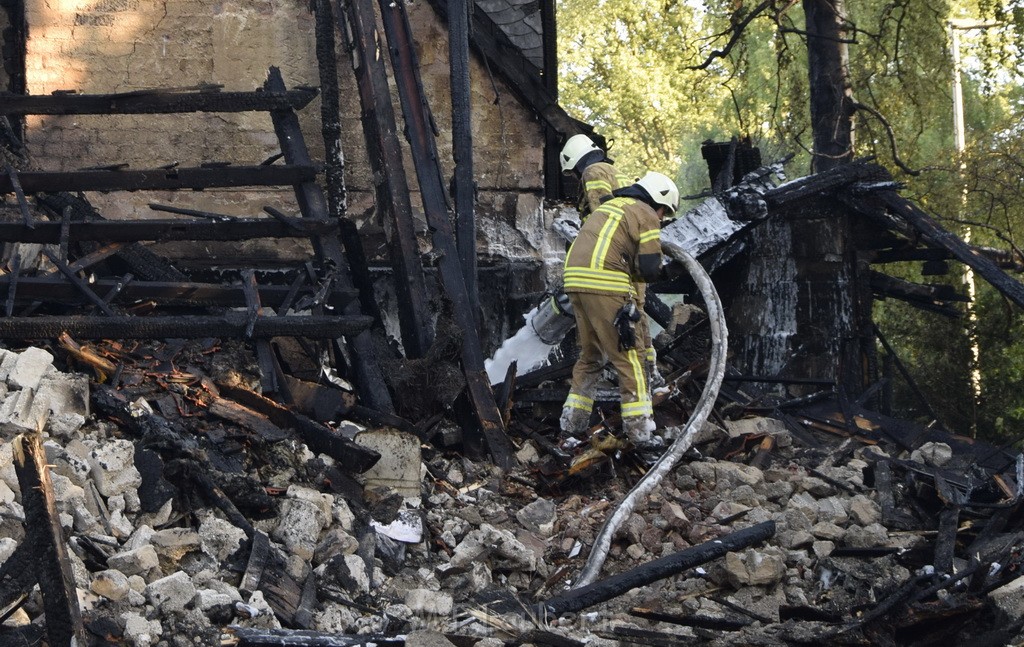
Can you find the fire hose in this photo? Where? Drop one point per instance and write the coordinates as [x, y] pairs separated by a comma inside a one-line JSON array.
[[685, 434]]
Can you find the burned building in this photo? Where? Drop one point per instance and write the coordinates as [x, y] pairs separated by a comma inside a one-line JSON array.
[[236, 261]]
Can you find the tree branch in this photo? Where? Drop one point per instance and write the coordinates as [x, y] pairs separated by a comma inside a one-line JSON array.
[[736, 30], [892, 137]]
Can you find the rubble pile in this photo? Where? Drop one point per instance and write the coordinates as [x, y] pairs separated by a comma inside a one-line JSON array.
[[185, 527]]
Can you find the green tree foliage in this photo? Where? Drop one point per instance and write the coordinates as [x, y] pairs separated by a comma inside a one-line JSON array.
[[657, 77]]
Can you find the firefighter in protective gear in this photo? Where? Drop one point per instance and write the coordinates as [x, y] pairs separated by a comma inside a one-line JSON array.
[[598, 179], [591, 166], [618, 246]]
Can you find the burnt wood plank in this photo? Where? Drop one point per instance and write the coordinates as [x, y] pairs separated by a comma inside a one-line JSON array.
[[153, 102], [368, 376], [17, 574], [159, 179], [43, 531], [462, 146], [935, 235], [435, 205], [319, 437], [166, 292], [112, 231], [391, 186], [232, 324], [615, 585]]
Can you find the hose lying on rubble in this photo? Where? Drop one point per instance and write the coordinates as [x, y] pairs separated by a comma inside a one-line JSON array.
[[684, 439]]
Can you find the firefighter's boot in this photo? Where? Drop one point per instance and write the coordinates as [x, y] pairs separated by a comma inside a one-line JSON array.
[[638, 429]]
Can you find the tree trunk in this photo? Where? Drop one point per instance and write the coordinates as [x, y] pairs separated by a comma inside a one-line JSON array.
[[829, 84]]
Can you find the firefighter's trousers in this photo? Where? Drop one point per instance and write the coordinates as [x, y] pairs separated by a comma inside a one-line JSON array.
[[599, 345]]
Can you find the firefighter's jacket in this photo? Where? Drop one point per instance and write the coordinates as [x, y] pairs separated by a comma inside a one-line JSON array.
[[604, 257], [597, 182]]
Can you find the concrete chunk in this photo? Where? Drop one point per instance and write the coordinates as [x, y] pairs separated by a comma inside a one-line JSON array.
[[29, 367], [171, 593], [113, 467]]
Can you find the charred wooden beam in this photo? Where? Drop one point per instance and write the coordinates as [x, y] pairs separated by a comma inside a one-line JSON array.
[[934, 298], [435, 203], [934, 234], [112, 231], [17, 574], [391, 186], [250, 637], [319, 437], [330, 119], [153, 102], [658, 569], [166, 292], [19, 194], [232, 324], [462, 146], [43, 531], [157, 179], [369, 379], [826, 181], [267, 572], [704, 622], [645, 637]]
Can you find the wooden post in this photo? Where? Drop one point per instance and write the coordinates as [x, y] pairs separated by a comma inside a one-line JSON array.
[[391, 186], [42, 531], [421, 141]]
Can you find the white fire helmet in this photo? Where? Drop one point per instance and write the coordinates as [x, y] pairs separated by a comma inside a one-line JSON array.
[[575, 148], [661, 189]]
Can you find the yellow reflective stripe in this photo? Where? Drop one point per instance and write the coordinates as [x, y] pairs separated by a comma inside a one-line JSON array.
[[648, 236], [604, 239], [599, 287], [594, 274], [637, 409], [623, 180], [638, 372], [599, 184], [580, 402], [651, 355]]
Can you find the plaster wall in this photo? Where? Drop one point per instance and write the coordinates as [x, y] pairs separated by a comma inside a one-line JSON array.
[[106, 46]]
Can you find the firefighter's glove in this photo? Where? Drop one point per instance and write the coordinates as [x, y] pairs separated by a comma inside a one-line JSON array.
[[624, 320]]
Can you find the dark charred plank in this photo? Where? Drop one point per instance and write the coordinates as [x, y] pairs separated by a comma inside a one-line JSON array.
[[391, 186], [82, 287], [463, 186], [17, 574], [19, 193], [655, 570], [646, 637], [935, 235], [247, 418], [248, 637], [368, 376], [435, 205], [266, 572], [157, 179], [704, 622], [43, 531], [945, 541], [319, 437], [232, 325], [153, 102], [113, 231], [166, 292]]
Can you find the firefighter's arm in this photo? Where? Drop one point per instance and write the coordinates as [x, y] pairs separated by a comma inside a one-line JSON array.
[[648, 258]]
